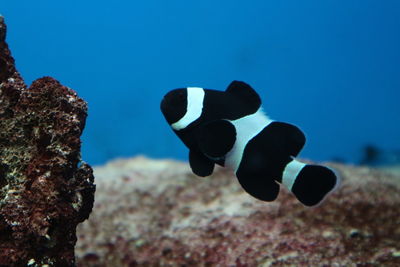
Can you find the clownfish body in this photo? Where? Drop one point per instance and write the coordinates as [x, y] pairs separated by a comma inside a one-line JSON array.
[[230, 129]]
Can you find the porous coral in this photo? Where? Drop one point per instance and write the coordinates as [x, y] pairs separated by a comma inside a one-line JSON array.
[[45, 189]]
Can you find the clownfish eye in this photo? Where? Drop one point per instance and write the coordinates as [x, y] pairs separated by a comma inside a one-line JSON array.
[[182, 95], [179, 98]]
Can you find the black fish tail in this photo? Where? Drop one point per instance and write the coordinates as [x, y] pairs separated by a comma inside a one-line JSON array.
[[313, 183]]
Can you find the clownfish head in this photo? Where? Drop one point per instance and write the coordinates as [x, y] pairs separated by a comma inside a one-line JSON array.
[[182, 106]]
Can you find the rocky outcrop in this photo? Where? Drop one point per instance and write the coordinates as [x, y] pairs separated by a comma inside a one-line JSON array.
[[45, 189], [157, 213]]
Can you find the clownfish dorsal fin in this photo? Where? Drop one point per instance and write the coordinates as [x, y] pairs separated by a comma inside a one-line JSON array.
[[245, 92], [216, 138]]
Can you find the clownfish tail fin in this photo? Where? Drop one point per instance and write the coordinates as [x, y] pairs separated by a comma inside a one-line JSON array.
[[309, 183]]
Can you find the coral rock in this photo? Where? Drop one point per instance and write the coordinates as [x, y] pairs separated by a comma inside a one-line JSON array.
[[45, 190], [157, 213]]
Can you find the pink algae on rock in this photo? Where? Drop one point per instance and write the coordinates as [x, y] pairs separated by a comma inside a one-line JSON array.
[[45, 191], [157, 213]]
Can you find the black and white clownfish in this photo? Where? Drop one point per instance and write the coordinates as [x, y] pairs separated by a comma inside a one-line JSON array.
[[230, 128]]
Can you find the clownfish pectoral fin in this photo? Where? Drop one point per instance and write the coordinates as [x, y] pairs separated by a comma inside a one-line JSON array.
[[200, 164], [245, 92], [309, 183], [216, 138], [262, 188]]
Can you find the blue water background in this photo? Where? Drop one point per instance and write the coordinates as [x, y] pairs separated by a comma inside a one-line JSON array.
[[331, 67]]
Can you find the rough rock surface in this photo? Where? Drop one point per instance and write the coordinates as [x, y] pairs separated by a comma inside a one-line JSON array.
[[157, 213], [45, 191]]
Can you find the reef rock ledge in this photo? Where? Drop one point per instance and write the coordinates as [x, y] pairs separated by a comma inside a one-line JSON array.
[[45, 189], [157, 213]]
